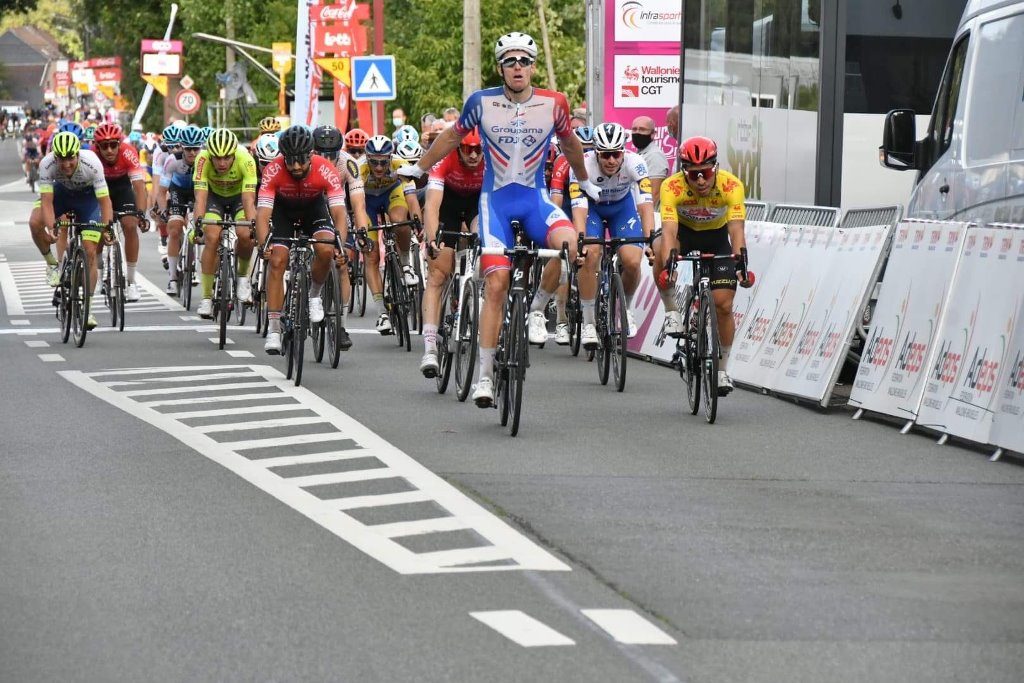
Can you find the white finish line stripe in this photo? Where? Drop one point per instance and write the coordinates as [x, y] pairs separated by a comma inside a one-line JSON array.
[[500, 541], [10, 291], [626, 626], [522, 629]]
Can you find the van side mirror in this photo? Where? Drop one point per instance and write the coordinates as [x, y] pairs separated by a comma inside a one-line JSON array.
[[899, 140]]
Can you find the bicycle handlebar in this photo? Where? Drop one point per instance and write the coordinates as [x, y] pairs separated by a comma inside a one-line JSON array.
[[226, 223], [521, 250]]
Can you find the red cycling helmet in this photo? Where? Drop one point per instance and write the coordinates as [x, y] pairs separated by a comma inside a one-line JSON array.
[[698, 151], [356, 137], [108, 131], [472, 138]]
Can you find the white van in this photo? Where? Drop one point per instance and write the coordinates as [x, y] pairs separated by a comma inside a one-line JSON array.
[[971, 163]]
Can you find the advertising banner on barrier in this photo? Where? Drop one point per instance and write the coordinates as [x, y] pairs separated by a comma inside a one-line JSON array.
[[1008, 430], [905, 322], [766, 337], [818, 348], [973, 350], [762, 240]]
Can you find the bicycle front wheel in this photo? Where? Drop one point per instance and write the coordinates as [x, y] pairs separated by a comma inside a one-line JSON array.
[[80, 291], [445, 335], [120, 295], [709, 356], [360, 290], [465, 340], [64, 307], [518, 343], [222, 301], [618, 331], [333, 309], [689, 358], [574, 313], [300, 320]]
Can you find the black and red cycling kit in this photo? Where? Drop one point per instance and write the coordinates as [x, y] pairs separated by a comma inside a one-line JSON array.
[[300, 199], [461, 185], [120, 174]]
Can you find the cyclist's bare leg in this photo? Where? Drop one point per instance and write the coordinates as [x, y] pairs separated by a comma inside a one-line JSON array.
[[495, 291], [175, 228], [130, 227], [211, 238], [275, 277], [323, 257], [629, 257], [438, 271], [243, 250], [92, 254], [36, 228], [373, 279], [723, 307]]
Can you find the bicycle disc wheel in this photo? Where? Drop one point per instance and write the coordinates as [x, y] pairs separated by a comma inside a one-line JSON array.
[[333, 320], [518, 344], [80, 298], [64, 302], [186, 269], [465, 340], [709, 356], [118, 276], [300, 323], [574, 313], [690, 358], [618, 332]]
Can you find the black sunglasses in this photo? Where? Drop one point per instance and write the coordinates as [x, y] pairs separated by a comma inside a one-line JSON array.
[[610, 155], [509, 62], [378, 162], [291, 160]]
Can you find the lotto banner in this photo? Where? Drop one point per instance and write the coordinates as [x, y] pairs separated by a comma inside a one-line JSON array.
[[819, 346], [972, 355], [765, 339], [906, 319], [1008, 430]]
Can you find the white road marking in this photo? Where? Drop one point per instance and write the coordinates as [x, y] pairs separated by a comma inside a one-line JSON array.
[[522, 629], [51, 358], [239, 353], [37, 344], [502, 546], [216, 340], [626, 626], [21, 323], [26, 293]]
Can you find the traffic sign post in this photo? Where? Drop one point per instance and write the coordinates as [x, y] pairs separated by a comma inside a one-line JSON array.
[[282, 61], [187, 101]]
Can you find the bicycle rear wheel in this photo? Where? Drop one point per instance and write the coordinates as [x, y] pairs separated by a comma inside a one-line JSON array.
[[602, 318], [574, 313], [709, 356], [222, 297], [80, 298], [518, 342], [618, 331], [120, 295], [446, 340], [690, 369], [465, 340], [333, 309], [186, 270]]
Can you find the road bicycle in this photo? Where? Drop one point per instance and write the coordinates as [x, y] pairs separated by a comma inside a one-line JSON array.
[[357, 282], [511, 356], [75, 289], [225, 289], [114, 283], [610, 309], [397, 297], [188, 256], [460, 316]]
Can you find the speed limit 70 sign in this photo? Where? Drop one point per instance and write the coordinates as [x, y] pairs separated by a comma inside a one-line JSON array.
[[187, 101]]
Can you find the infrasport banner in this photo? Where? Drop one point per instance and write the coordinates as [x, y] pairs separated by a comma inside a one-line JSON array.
[[907, 317], [641, 63], [973, 352]]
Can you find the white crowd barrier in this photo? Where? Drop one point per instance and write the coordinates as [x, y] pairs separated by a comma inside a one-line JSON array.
[[974, 375], [906, 319], [800, 322]]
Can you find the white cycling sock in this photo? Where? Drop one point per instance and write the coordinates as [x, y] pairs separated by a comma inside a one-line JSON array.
[[172, 266], [131, 273], [560, 308], [378, 303], [540, 300], [486, 363], [725, 357], [274, 321], [668, 297], [315, 288], [430, 338], [588, 311]]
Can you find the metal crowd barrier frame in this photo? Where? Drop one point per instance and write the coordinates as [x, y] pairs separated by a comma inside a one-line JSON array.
[[804, 214], [863, 217], [757, 211]]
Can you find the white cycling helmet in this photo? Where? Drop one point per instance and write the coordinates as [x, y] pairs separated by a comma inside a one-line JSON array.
[[610, 137], [404, 133], [515, 41], [267, 147], [409, 151]]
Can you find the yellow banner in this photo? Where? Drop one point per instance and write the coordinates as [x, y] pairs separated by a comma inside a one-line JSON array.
[[337, 67], [158, 82], [107, 90], [282, 58]]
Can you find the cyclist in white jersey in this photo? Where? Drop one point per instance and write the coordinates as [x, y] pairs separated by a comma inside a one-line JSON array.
[[625, 204], [515, 122]]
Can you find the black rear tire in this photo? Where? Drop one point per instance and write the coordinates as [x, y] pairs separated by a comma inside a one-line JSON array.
[[618, 332], [333, 320], [518, 349], [80, 290], [446, 336], [300, 321], [223, 298], [574, 313], [466, 340]]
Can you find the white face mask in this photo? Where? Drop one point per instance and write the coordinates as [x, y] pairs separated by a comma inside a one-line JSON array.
[[398, 121]]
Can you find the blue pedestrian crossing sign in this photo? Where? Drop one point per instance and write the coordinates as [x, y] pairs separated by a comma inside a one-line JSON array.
[[373, 78]]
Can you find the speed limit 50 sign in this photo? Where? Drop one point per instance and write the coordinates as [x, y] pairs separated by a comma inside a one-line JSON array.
[[187, 101]]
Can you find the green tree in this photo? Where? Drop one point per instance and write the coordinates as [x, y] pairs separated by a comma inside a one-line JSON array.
[[61, 18]]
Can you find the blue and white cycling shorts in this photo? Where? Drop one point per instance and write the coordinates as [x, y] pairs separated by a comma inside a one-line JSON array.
[[530, 206], [621, 216], [82, 203]]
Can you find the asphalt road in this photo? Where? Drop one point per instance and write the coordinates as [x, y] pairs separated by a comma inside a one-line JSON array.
[[141, 539]]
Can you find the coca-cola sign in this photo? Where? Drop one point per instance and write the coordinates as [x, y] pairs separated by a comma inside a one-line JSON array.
[[340, 12]]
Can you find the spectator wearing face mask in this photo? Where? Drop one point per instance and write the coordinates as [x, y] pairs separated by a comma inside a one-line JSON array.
[[654, 158], [397, 117]]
